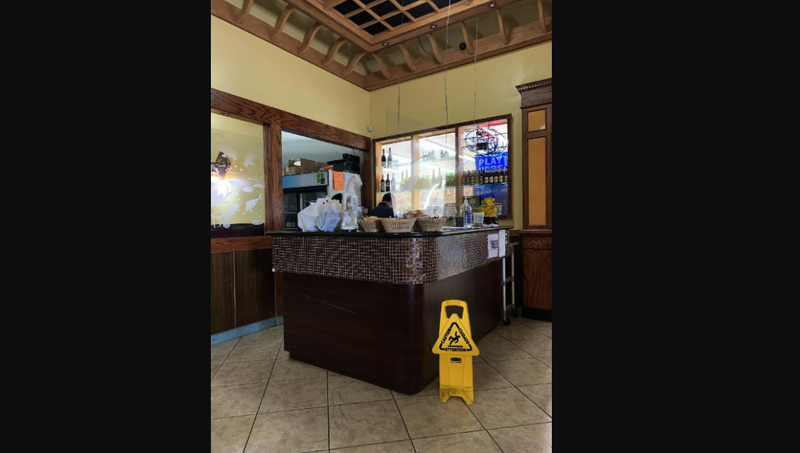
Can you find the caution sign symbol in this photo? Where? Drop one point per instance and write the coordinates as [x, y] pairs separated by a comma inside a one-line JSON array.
[[459, 342], [455, 339]]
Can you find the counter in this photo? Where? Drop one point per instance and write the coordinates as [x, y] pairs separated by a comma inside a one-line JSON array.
[[367, 305]]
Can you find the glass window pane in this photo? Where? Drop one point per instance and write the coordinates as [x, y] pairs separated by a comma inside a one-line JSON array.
[[237, 173], [400, 172], [537, 121], [485, 171]]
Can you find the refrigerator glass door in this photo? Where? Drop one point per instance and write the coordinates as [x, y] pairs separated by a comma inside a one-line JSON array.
[[306, 198], [290, 211]]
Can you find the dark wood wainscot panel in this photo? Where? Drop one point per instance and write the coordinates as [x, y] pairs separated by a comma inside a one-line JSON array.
[[242, 288], [222, 302], [255, 287], [378, 333], [538, 252]]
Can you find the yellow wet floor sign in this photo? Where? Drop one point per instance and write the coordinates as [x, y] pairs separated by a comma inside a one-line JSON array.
[[455, 349]]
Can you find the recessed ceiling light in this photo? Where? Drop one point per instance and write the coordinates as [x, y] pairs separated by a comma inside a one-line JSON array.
[[385, 44], [433, 26], [492, 5]]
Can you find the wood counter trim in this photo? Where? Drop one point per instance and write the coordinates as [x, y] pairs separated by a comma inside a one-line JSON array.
[[240, 244]]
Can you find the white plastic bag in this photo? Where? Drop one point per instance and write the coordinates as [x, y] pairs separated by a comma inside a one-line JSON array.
[[330, 216], [307, 218]]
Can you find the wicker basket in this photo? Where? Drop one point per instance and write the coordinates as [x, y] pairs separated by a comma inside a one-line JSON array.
[[371, 225], [398, 225], [428, 224]]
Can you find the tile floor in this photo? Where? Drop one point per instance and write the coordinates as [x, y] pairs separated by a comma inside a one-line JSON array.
[[262, 401]]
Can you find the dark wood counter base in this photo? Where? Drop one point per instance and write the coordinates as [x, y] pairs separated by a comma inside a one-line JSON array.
[[380, 333]]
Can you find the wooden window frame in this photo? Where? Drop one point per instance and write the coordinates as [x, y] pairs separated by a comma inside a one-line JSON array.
[[274, 121]]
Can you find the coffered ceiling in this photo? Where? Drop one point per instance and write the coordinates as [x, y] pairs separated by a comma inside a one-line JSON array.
[[401, 39]]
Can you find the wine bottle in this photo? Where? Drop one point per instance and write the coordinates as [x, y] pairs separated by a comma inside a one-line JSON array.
[[383, 184], [389, 160], [494, 176], [383, 160], [388, 183], [394, 184]]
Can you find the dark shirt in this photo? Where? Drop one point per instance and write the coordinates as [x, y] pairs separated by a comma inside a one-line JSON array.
[[382, 211]]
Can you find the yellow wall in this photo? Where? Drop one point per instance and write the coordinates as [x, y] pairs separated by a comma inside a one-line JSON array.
[[422, 102], [247, 66], [254, 69]]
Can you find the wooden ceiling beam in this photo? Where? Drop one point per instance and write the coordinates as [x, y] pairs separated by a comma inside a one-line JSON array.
[[331, 19], [329, 4], [542, 22], [470, 47], [436, 53], [490, 46], [353, 62], [309, 37], [414, 5], [332, 51], [373, 14], [382, 66], [281, 21], [257, 27], [244, 12], [403, 10], [339, 23], [502, 27], [433, 5], [409, 61], [367, 24], [459, 13]]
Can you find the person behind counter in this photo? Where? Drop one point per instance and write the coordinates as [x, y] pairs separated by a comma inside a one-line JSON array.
[[384, 209]]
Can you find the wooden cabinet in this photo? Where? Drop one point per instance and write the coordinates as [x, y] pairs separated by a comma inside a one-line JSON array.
[[537, 196]]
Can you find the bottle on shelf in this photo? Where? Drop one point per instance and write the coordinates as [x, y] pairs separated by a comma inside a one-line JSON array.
[[466, 212], [389, 159], [494, 176], [383, 184], [505, 174], [383, 160], [388, 183], [394, 184]]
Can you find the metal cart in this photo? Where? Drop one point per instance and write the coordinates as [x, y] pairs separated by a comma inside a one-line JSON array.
[[505, 281]]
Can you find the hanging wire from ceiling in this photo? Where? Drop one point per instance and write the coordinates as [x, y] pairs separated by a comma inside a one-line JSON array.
[[446, 45], [475, 71], [402, 16]]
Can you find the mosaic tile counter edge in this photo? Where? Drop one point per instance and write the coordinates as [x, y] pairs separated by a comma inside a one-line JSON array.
[[397, 261]]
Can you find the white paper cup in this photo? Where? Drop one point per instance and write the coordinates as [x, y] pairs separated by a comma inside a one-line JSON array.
[[477, 218]]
